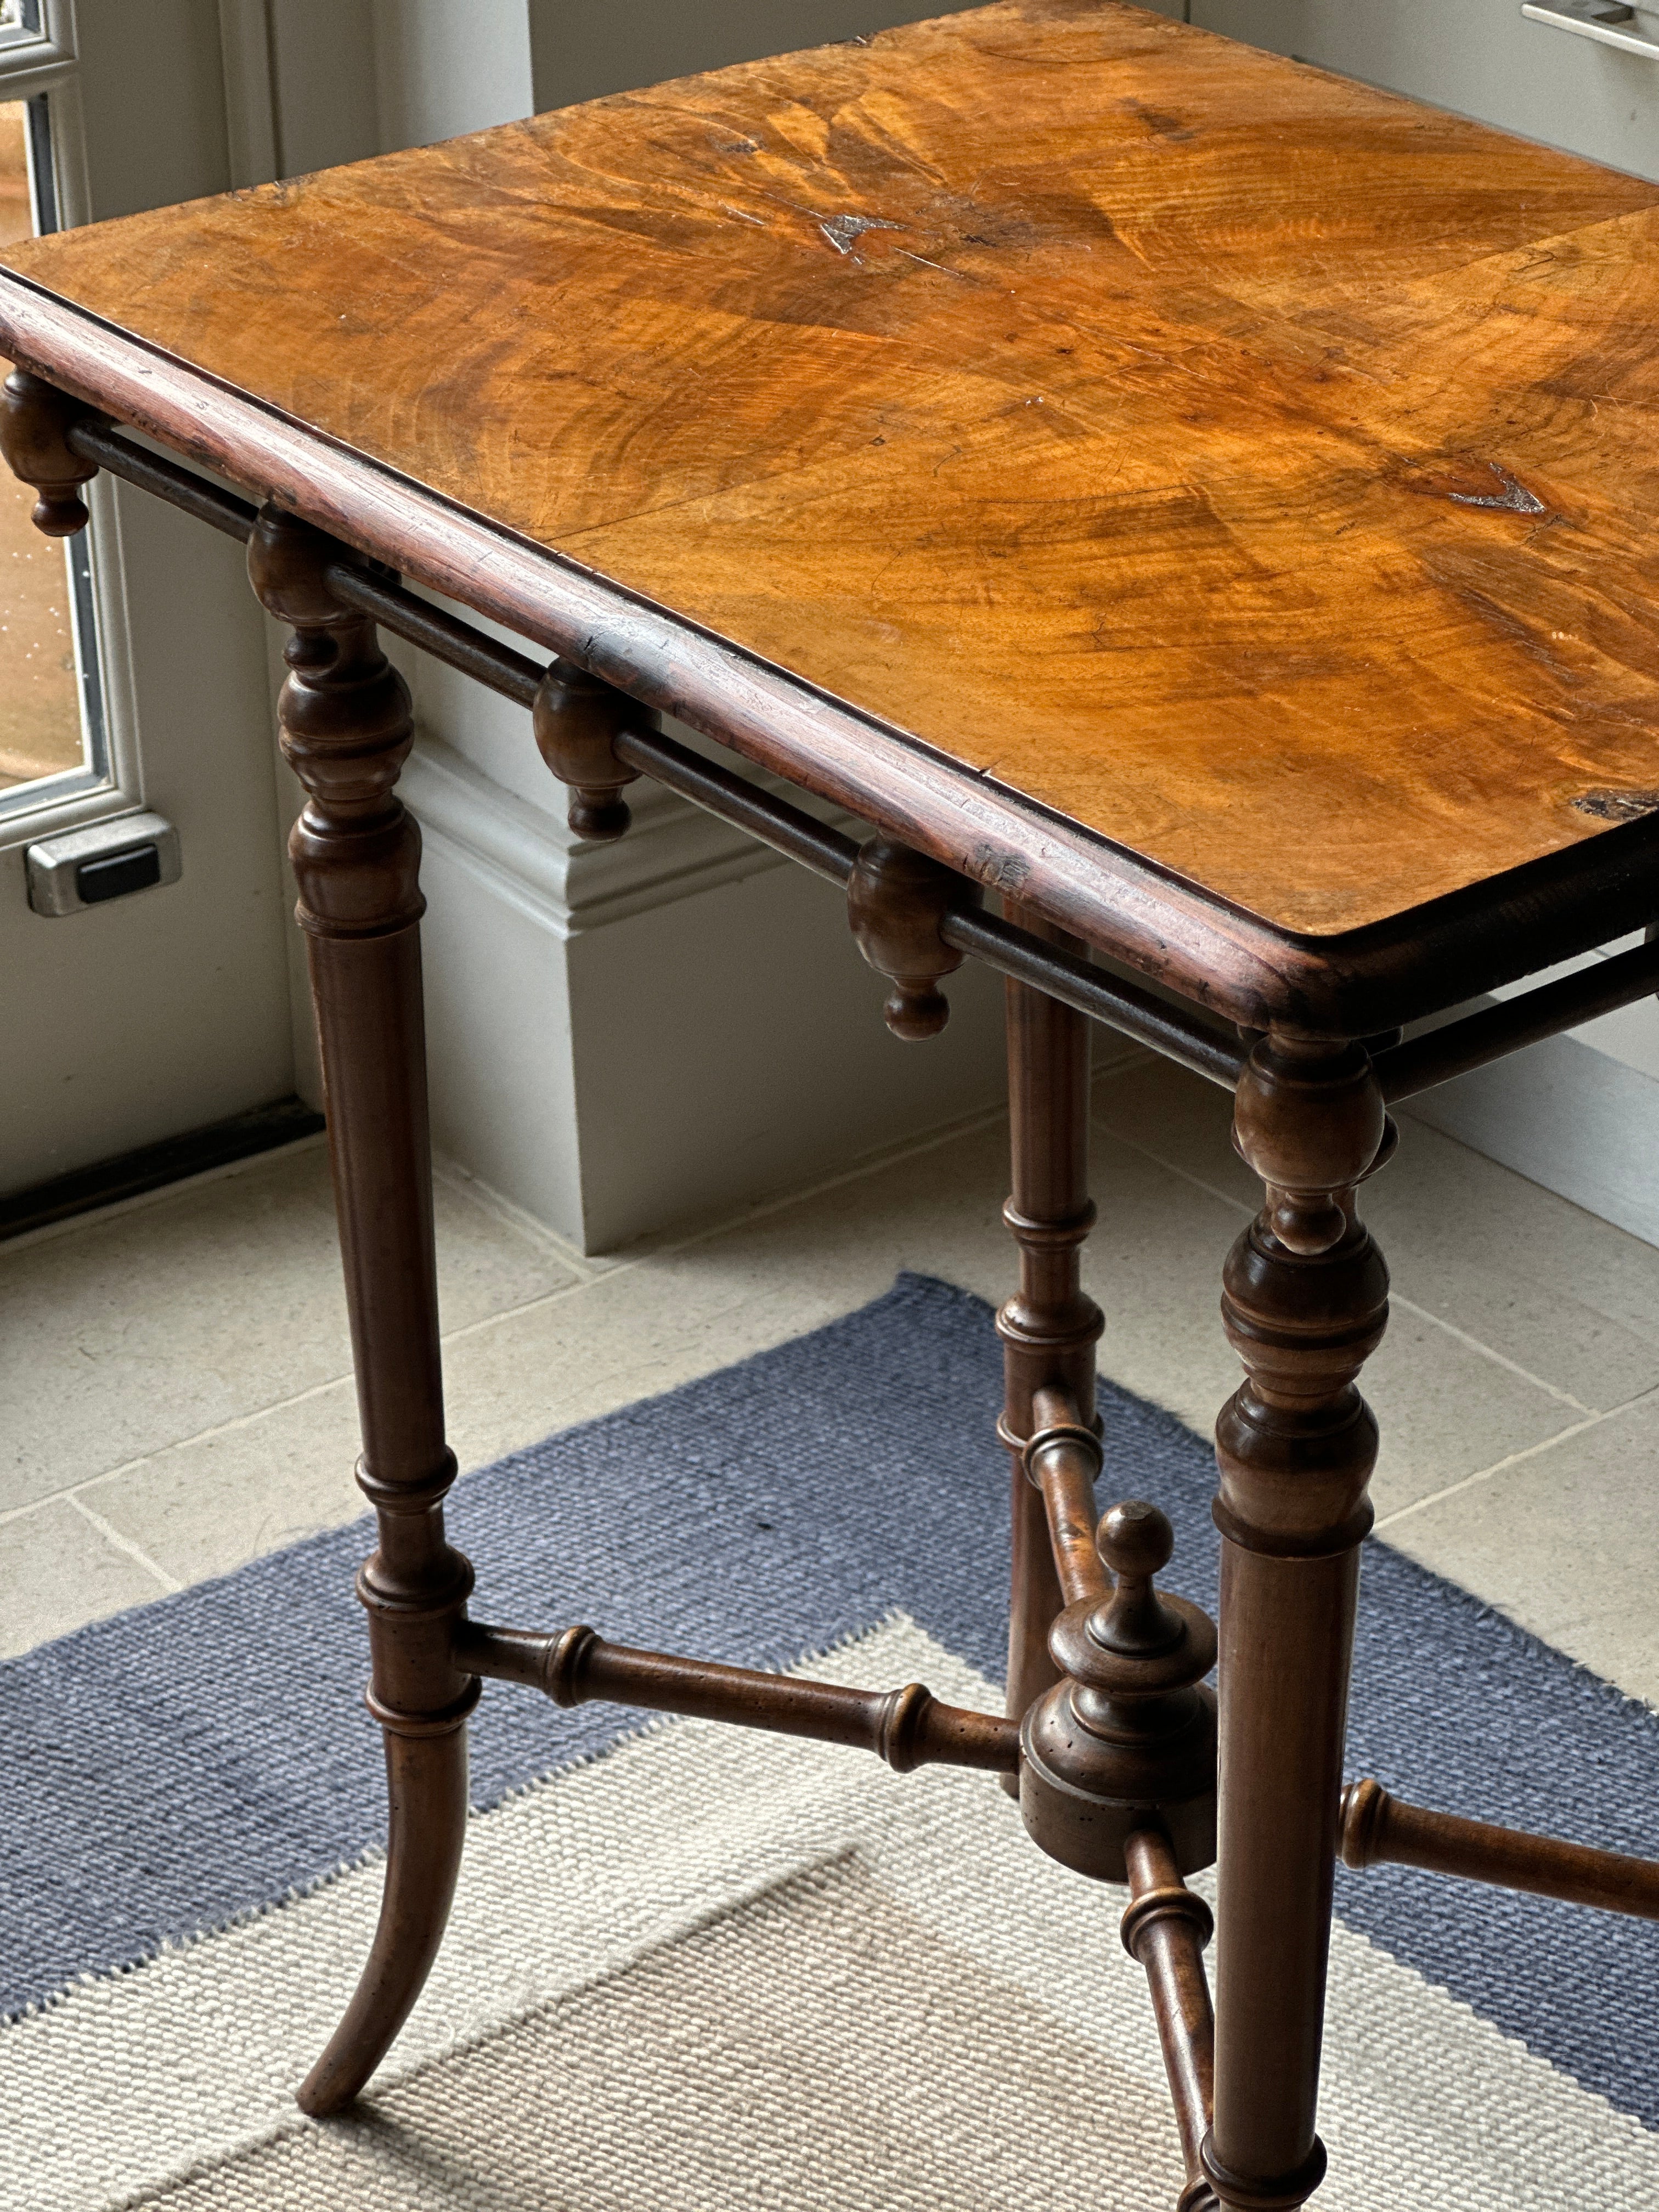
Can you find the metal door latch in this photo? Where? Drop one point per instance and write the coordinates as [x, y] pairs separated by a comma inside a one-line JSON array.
[[85, 867], [1604, 21]]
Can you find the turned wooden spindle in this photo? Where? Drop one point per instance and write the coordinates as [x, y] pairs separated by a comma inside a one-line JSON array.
[[1127, 1736], [35, 420], [896, 899], [1164, 1930], [908, 1727], [1378, 1830], [1062, 1460], [577, 720], [346, 730], [1304, 1303], [1050, 1326]]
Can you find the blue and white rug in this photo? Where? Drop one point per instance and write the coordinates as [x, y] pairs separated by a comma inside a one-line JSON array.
[[693, 1968]]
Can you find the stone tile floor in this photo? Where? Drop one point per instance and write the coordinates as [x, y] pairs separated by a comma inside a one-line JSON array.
[[175, 1393]]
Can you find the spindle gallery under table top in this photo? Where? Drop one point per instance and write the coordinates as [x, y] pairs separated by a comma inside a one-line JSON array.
[[1217, 458]]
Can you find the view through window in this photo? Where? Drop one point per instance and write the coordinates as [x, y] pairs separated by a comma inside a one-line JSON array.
[[41, 728]]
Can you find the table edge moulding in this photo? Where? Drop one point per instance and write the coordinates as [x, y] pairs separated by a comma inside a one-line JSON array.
[[1173, 932], [1568, 855]]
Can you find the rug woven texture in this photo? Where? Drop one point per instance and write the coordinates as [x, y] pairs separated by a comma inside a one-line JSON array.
[[696, 1967]]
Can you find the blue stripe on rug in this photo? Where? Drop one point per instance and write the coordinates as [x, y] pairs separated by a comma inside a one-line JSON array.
[[177, 1766]]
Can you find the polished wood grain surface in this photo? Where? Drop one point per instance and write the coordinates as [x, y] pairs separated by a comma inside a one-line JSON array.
[[1247, 465]]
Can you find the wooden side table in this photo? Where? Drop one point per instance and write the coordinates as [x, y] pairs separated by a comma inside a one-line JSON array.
[[1202, 502]]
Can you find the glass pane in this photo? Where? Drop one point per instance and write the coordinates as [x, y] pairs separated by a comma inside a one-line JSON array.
[[19, 20], [41, 730]]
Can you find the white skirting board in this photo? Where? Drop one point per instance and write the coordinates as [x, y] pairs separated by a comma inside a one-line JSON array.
[[624, 1037]]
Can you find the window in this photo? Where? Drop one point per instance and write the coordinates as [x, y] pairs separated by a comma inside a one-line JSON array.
[[20, 22], [51, 722]]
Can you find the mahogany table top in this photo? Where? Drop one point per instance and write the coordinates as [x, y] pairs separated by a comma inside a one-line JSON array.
[[1224, 459]]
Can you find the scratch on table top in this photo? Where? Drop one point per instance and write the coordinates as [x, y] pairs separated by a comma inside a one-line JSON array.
[[939, 265], [1615, 805], [1514, 499], [844, 231]]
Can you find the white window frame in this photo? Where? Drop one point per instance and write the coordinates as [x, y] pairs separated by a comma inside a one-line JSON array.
[[42, 65], [33, 61]]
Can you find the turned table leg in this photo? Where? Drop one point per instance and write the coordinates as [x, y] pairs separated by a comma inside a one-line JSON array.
[[1305, 1303], [346, 731], [896, 900], [1049, 1327]]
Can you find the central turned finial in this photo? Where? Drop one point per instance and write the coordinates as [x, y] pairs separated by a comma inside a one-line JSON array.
[[1135, 1542], [1128, 1738]]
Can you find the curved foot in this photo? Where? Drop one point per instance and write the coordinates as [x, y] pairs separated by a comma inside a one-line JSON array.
[[425, 1783]]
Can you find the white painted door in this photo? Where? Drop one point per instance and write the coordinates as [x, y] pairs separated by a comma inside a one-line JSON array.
[[149, 1014]]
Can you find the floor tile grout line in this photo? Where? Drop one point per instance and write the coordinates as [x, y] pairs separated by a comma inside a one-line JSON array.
[[912, 1148], [586, 1276], [508, 1215], [1185, 1174], [1395, 1297], [592, 1278], [761, 1211], [725, 1225], [1515, 1459], [1501, 1359], [589, 1278], [124, 1544], [344, 1379], [142, 1201], [72, 1491]]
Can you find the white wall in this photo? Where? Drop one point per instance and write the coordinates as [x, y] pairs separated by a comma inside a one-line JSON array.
[[582, 49], [440, 69], [629, 1035]]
